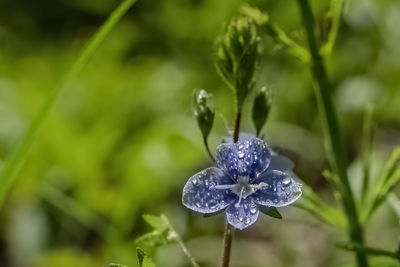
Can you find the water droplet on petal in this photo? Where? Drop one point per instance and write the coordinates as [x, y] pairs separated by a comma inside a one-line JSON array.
[[194, 181], [287, 181], [253, 210]]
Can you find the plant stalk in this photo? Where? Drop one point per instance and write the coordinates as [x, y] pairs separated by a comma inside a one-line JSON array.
[[228, 236], [237, 126], [229, 229], [208, 148], [333, 142]]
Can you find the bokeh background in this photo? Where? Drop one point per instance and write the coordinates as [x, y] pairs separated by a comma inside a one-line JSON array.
[[121, 141]]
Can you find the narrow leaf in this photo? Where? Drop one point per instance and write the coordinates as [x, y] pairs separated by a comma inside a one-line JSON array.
[[144, 260], [334, 17], [317, 207], [270, 211], [18, 157], [367, 143], [156, 222], [207, 215]]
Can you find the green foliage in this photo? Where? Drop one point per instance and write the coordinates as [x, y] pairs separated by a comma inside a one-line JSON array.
[[238, 55], [333, 19], [144, 260], [286, 43], [203, 111], [370, 251], [17, 159], [160, 234], [271, 211], [316, 206], [116, 265], [261, 108], [384, 185], [366, 152]]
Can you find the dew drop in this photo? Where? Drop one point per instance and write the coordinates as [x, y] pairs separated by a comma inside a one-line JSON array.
[[253, 210], [286, 181], [247, 221], [194, 181]]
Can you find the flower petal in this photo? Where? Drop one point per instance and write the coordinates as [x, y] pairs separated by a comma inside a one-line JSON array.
[[242, 215], [248, 157], [281, 189], [199, 194], [280, 163]]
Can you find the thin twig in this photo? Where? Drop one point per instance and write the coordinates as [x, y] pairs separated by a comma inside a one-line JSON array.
[[228, 236], [369, 250], [173, 234], [208, 148], [237, 126]]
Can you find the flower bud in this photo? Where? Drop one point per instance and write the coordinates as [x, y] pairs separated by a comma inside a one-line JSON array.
[[238, 55], [261, 107], [203, 111]]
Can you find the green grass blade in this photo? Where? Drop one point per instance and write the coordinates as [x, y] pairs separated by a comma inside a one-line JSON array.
[[18, 157], [386, 182], [335, 14], [367, 143], [317, 207]]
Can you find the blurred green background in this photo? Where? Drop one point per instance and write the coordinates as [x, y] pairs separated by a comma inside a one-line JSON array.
[[121, 141]]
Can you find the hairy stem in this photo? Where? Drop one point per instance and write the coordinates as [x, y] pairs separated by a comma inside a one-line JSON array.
[[334, 144]]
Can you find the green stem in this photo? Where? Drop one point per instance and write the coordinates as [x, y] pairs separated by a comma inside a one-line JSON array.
[[229, 229], [18, 157], [181, 244], [334, 144], [366, 151], [205, 141], [369, 250]]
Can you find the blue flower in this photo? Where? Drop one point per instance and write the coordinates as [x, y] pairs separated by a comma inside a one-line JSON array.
[[248, 175]]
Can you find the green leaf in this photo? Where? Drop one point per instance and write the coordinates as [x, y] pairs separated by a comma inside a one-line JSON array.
[[270, 211], [207, 215], [387, 181], [261, 107], [157, 222], [152, 239], [367, 143], [334, 16], [144, 260], [317, 207]]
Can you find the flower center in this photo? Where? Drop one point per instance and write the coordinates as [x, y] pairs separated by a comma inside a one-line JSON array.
[[243, 188]]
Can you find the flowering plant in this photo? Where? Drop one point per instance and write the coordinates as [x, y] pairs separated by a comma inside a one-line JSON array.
[[248, 175]]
